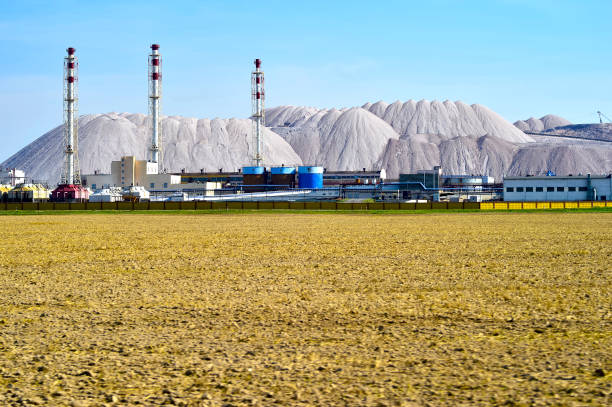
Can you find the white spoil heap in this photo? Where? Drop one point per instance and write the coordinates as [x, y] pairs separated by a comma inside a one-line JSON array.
[[399, 137]]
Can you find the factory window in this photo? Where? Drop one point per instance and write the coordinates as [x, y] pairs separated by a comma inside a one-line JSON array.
[[519, 189], [550, 189], [165, 185], [539, 189], [603, 197], [509, 189], [560, 189], [93, 186], [152, 184], [571, 189], [583, 189], [529, 189]]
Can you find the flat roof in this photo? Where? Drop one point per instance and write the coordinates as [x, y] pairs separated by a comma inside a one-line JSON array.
[[356, 172], [204, 174], [553, 177]]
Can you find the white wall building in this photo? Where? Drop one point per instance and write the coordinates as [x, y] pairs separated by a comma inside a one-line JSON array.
[[129, 172], [558, 188], [11, 176]]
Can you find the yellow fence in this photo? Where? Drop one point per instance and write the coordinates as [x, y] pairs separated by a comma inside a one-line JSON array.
[[323, 205], [545, 205]]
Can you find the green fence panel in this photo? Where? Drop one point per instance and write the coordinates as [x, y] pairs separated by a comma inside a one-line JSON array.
[[280, 205], [172, 206], [157, 206], [328, 206], [224, 205], [312, 205], [29, 206], [61, 206], [266, 205], [203, 205]]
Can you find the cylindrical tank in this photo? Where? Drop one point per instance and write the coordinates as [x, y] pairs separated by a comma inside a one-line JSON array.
[[310, 177], [283, 177], [4, 189], [42, 193], [21, 193], [254, 179]]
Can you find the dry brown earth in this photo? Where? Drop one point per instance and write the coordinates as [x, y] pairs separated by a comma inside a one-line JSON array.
[[304, 309]]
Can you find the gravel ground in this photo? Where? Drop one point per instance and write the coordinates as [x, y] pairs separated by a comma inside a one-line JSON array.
[[306, 309]]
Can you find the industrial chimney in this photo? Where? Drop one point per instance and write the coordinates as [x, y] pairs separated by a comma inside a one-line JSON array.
[[70, 188], [155, 90], [258, 116], [70, 173]]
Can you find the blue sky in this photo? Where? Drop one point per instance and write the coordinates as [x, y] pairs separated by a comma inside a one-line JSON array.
[[521, 58]]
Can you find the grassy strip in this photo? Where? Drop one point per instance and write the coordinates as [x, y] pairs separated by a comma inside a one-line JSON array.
[[300, 211]]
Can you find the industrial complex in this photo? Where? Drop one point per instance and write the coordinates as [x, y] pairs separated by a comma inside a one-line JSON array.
[[145, 178]]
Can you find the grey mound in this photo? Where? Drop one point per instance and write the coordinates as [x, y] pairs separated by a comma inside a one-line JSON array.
[[188, 143], [594, 131], [550, 121], [399, 137]]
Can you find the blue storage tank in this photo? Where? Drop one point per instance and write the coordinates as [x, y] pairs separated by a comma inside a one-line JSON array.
[[283, 177], [254, 179], [282, 170], [253, 170], [310, 177]]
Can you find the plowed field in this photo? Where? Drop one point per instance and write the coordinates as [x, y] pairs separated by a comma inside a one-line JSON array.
[[303, 309]]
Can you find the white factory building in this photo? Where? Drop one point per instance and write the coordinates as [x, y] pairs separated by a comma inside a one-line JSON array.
[[131, 172], [11, 176], [558, 188]]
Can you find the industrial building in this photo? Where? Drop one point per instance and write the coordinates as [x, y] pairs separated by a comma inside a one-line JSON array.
[[224, 178], [112, 194], [471, 188], [128, 171], [363, 177], [11, 176], [131, 173], [4, 189], [424, 184], [28, 193], [134, 180], [468, 183], [434, 186], [558, 188], [260, 179]]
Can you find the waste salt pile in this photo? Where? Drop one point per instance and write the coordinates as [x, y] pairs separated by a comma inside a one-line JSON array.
[[398, 137]]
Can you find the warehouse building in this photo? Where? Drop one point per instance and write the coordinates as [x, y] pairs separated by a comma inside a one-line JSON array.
[[131, 172], [362, 177], [424, 184], [467, 182], [470, 188], [231, 178], [558, 188]]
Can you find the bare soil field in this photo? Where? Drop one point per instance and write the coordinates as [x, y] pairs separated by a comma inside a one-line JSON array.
[[306, 309]]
